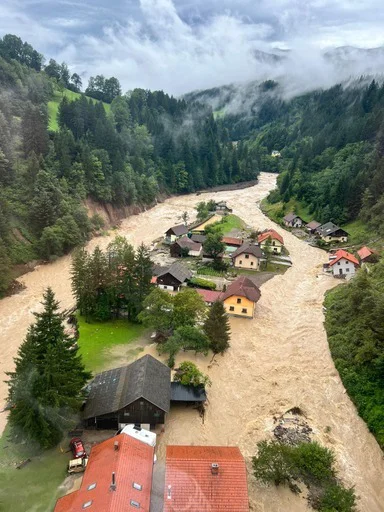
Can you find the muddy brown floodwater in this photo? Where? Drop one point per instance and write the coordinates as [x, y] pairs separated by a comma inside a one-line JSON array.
[[278, 360]]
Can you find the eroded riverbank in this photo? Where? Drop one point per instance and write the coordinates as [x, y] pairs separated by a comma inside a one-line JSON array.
[[278, 360]]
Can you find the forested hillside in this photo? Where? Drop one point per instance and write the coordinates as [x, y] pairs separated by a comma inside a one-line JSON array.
[[332, 147], [148, 144]]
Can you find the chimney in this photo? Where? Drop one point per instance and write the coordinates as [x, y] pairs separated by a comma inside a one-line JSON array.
[[113, 483], [214, 468], [169, 492], [116, 445]]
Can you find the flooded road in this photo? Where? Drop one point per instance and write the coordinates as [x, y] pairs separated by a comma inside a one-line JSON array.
[[276, 361]]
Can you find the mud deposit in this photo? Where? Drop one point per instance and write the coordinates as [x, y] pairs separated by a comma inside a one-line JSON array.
[[277, 361]]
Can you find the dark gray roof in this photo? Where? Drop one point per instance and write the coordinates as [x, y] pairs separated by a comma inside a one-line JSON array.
[[178, 230], [291, 216], [329, 228], [181, 393], [198, 238], [114, 389], [178, 271], [248, 248], [187, 243]]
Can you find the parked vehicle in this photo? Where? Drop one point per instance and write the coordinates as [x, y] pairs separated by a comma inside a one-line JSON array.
[[77, 465], [77, 447]]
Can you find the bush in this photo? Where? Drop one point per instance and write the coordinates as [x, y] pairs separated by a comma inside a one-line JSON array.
[[273, 463], [197, 282], [337, 499], [314, 462]]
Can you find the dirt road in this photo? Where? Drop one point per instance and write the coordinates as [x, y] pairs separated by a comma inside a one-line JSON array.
[[276, 361]]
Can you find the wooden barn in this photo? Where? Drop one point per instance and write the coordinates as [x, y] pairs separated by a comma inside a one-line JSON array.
[[135, 394]]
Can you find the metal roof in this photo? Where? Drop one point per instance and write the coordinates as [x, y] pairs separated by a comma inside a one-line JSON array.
[[181, 393], [114, 389], [178, 271], [329, 228]]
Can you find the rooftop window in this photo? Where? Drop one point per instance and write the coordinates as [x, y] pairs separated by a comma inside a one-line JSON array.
[[135, 504], [91, 486], [136, 486], [87, 504]]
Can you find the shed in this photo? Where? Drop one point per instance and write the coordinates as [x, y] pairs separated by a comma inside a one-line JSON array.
[[187, 245], [191, 394], [138, 393]]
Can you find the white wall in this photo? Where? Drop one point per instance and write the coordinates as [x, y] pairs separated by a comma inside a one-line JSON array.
[[346, 267]]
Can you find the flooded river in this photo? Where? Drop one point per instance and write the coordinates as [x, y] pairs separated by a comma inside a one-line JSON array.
[[276, 361]]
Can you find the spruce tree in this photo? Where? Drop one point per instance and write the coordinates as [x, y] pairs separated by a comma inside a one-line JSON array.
[[217, 328], [142, 272], [45, 388]]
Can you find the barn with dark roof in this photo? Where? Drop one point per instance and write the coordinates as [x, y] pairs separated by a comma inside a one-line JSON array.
[[138, 393]]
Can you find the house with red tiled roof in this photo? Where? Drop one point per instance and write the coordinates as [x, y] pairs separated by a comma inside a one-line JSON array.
[[343, 263], [118, 477], [232, 241], [205, 479], [271, 238], [209, 296], [367, 255], [240, 297]]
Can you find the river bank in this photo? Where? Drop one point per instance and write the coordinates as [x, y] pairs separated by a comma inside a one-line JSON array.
[[277, 361]]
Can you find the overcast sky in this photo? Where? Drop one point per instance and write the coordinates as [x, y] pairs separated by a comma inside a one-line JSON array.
[[182, 45]]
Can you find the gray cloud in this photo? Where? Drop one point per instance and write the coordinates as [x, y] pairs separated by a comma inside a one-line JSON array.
[[184, 45]]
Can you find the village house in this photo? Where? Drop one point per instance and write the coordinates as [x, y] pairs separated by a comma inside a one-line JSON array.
[[199, 227], [198, 238], [138, 393], [367, 255], [240, 298], [205, 479], [186, 247], [312, 226], [222, 208], [175, 233], [271, 237], [293, 221], [247, 256], [330, 232], [209, 296], [174, 277], [118, 476], [342, 263]]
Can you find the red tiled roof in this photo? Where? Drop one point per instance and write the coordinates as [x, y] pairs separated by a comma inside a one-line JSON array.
[[208, 295], [232, 241], [242, 287], [271, 233], [132, 462], [193, 487], [340, 254], [365, 252]]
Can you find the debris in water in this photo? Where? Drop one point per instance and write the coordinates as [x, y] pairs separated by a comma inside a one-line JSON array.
[[291, 428]]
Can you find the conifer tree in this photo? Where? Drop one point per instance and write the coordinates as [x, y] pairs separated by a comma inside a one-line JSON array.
[[216, 327], [45, 388], [142, 272]]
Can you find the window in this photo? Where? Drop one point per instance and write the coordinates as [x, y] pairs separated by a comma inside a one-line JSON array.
[[126, 413], [246, 256], [338, 262], [244, 310], [273, 243], [347, 269], [87, 504], [92, 486], [240, 262], [251, 263], [239, 301], [136, 486], [135, 504], [231, 308]]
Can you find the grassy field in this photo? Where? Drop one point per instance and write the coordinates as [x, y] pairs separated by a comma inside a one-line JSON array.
[[33, 488], [97, 338], [53, 106], [228, 223]]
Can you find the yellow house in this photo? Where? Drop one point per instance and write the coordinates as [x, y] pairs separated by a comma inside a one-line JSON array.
[[273, 239], [240, 298], [200, 228], [247, 256]]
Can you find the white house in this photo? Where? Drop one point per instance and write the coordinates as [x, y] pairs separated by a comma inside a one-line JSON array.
[[343, 264], [293, 221]]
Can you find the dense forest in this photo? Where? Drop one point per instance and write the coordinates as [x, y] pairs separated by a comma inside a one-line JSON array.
[[147, 144], [331, 144], [354, 323]]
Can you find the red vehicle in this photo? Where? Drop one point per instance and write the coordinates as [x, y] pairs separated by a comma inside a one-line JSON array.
[[77, 447]]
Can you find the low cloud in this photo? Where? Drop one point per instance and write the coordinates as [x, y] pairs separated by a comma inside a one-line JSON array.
[[183, 45]]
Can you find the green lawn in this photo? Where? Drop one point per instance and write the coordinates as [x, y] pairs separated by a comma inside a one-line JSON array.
[[34, 488], [97, 338], [228, 223], [53, 106], [359, 232]]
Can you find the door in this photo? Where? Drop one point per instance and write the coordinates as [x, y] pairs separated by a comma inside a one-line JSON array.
[[340, 271]]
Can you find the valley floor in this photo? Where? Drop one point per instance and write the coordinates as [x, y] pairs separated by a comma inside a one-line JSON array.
[[278, 360]]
